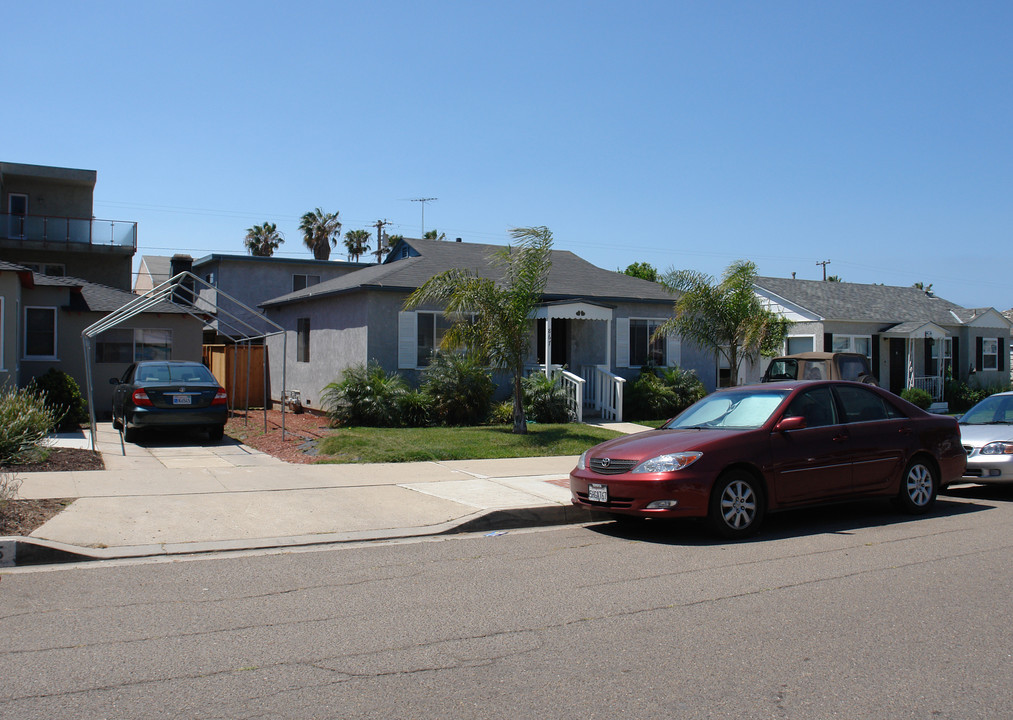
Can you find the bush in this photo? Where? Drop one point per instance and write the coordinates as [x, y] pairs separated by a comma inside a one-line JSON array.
[[545, 399], [658, 394], [365, 395], [64, 396], [917, 396], [502, 413], [416, 409], [460, 389], [25, 419], [961, 397]]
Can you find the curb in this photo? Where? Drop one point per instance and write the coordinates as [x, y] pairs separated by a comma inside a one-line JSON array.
[[24, 551]]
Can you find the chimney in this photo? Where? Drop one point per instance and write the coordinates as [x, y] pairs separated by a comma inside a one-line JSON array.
[[457, 240], [183, 293]]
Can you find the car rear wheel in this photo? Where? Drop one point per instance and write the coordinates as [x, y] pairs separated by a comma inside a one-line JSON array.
[[918, 487], [737, 505], [130, 434], [216, 433]]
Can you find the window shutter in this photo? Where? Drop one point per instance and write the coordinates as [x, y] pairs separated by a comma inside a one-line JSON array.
[[828, 342], [622, 342], [875, 356], [979, 351], [955, 351], [928, 355], [1002, 354], [674, 350], [407, 340]]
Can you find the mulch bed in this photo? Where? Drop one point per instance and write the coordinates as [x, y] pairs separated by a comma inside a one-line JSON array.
[[21, 517]]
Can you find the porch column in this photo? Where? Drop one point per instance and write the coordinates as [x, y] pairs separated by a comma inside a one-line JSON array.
[[608, 345], [548, 343]]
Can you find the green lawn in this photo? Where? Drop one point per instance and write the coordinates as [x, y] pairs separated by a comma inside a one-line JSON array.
[[375, 445]]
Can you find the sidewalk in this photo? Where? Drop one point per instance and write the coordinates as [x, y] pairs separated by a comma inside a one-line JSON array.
[[182, 496]]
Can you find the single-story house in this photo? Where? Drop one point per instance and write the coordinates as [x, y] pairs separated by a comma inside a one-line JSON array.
[[591, 321], [42, 317], [911, 337]]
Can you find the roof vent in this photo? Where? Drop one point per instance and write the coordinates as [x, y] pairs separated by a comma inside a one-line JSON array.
[[457, 240]]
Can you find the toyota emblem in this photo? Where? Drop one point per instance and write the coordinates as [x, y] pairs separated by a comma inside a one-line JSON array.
[[182, 389], [605, 462]]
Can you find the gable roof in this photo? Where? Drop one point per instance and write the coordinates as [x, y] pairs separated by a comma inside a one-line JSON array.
[[158, 267], [92, 297], [871, 303], [569, 276]]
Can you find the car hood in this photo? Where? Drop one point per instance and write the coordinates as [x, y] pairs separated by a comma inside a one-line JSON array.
[[978, 435], [645, 445]]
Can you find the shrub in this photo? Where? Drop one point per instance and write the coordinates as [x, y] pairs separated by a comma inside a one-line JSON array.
[[961, 397], [64, 396], [545, 399], [416, 409], [662, 393], [365, 395], [917, 396], [502, 413], [25, 419], [460, 388]]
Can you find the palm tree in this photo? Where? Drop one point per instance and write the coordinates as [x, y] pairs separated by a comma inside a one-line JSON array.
[[263, 240], [433, 235], [727, 317], [494, 316], [357, 243], [320, 232]]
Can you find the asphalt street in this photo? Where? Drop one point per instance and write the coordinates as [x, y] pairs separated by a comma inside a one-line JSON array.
[[852, 611]]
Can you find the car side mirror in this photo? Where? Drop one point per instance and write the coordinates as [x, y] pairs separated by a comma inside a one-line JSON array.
[[796, 422], [114, 381]]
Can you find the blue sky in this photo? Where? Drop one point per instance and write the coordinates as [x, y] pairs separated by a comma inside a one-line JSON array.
[[876, 135]]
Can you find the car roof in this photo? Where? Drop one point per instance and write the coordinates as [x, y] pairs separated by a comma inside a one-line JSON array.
[[170, 362]]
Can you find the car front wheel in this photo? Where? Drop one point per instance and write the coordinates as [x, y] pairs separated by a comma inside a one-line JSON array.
[[918, 487], [737, 505]]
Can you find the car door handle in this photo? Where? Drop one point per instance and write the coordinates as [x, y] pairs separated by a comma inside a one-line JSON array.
[[840, 438], [906, 430]]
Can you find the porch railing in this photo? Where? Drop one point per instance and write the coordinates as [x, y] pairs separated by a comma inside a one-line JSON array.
[[604, 392], [76, 231], [931, 384], [574, 385]]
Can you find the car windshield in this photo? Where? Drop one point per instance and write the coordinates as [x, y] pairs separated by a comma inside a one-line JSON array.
[[995, 410], [164, 372], [745, 409], [783, 369]]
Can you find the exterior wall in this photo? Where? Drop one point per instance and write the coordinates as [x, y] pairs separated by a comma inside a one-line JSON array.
[[975, 375], [56, 192], [186, 343], [338, 339], [103, 265]]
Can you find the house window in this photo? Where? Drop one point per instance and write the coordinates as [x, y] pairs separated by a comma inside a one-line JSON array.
[[799, 344], [432, 326], [17, 209], [853, 343], [40, 332], [210, 278], [301, 282], [644, 350], [990, 353], [946, 345], [126, 345], [302, 346]]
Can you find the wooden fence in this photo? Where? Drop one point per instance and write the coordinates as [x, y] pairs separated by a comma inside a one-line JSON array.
[[240, 370]]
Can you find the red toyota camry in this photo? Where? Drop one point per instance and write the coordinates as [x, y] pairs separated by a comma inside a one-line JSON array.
[[743, 452]]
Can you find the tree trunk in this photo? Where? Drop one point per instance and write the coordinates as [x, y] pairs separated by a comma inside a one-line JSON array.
[[520, 423]]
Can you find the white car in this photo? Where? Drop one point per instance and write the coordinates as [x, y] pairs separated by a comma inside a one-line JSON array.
[[986, 432]]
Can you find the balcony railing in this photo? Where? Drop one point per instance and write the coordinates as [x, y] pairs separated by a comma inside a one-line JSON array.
[[74, 231]]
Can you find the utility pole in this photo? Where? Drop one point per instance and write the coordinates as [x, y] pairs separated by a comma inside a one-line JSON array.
[[379, 237], [423, 201], [824, 263]]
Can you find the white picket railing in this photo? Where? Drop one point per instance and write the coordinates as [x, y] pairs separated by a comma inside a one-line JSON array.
[[574, 385], [931, 384], [604, 392]]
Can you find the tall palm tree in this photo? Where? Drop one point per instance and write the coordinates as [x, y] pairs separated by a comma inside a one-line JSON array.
[[357, 243], [320, 232], [433, 235], [727, 317], [263, 240], [500, 329]]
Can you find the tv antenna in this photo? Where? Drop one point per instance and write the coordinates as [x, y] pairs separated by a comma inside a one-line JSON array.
[[423, 201]]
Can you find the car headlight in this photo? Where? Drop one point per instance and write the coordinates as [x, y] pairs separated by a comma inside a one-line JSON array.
[[582, 461], [668, 463], [998, 448]]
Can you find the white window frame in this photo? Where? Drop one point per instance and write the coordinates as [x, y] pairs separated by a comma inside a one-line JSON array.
[[985, 354], [850, 345], [947, 345], [56, 347]]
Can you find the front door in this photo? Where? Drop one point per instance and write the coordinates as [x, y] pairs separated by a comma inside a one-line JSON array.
[[560, 342], [898, 365]]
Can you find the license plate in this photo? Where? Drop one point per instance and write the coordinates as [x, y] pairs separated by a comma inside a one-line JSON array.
[[598, 493], [180, 399]]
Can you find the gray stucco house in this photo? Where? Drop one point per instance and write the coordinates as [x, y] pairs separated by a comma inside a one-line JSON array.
[[911, 337], [597, 323]]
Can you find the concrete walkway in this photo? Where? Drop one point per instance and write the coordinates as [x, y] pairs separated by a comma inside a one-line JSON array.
[[180, 494]]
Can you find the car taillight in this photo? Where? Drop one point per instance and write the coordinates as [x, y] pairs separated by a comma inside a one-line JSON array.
[[141, 398], [221, 398]]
